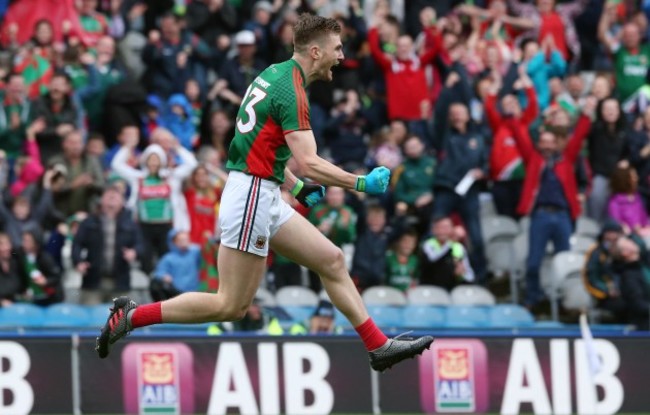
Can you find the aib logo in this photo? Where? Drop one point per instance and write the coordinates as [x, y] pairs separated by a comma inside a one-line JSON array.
[[153, 375], [453, 377]]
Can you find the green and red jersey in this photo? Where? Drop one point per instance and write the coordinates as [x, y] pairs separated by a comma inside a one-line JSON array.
[[275, 104]]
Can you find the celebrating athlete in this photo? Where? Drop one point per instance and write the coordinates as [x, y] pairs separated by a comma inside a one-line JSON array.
[[273, 124]]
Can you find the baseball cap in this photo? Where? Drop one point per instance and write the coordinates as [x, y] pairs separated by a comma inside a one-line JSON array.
[[263, 5], [324, 309], [245, 37]]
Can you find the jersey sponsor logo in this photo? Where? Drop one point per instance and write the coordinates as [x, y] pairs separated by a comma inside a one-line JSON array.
[[260, 242], [160, 191], [261, 82]]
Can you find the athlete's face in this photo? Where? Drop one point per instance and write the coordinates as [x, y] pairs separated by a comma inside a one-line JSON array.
[[331, 54]]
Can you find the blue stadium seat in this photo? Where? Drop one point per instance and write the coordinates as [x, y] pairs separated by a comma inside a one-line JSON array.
[[66, 315], [21, 315], [464, 316], [386, 316], [424, 316], [299, 313], [510, 315], [98, 314], [341, 321]]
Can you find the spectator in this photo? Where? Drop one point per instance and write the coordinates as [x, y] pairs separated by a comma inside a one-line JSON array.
[[625, 204], [368, 263], [444, 261], [23, 215], [388, 151], [406, 86], [156, 194], [84, 178], [212, 20], [336, 221], [94, 24], [602, 87], [284, 43], [196, 102], [549, 194], [606, 148], [572, 99], [177, 118], [346, 129], [202, 200], [413, 182], [28, 167], [259, 320], [178, 270], [220, 132], [322, 321], [554, 21], [210, 158], [639, 151], [43, 40], [464, 159], [36, 70], [496, 15], [172, 57], [635, 291], [600, 276], [541, 66], [506, 166], [13, 276], [59, 112], [402, 265], [108, 72], [347, 75], [333, 218], [14, 116], [104, 249], [260, 26], [44, 286], [631, 57], [239, 72]]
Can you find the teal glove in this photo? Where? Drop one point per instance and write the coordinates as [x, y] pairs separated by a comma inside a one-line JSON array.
[[375, 183], [308, 194]]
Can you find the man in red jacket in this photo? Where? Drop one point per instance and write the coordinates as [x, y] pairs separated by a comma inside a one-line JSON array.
[[406, 84], [550, 193], [506, 165]]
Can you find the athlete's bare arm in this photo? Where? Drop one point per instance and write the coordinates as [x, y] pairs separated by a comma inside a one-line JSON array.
[[290, 179], [303, 146]]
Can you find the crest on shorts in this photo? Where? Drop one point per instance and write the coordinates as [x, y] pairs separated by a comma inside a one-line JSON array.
[[260, 242]]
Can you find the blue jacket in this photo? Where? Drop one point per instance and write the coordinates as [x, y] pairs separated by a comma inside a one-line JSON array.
[[182, 266], [540, 71], [182, 127]]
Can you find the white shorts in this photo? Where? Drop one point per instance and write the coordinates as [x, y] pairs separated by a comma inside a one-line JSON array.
[[251, 212]]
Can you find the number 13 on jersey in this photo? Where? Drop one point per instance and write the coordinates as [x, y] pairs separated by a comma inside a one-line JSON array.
[[253, 96]]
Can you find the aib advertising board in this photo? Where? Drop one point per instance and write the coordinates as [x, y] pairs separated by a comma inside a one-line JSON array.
[[321, 375]]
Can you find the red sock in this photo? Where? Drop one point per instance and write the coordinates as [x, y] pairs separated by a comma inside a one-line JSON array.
[[370, 334], [146, 315]]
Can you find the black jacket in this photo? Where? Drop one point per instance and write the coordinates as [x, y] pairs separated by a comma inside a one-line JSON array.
[[88, 245], [606, 148]]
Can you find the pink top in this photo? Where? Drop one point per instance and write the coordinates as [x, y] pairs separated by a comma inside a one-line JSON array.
[[628, 210], [32, 170]]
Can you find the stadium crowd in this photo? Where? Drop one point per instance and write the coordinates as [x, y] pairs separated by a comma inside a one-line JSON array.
[[117, 115]]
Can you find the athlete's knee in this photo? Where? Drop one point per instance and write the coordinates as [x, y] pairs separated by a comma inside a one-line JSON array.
[[333, 262], [231, 311]]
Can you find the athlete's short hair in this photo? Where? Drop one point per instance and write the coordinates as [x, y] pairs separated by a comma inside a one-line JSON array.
[[310, 28]]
